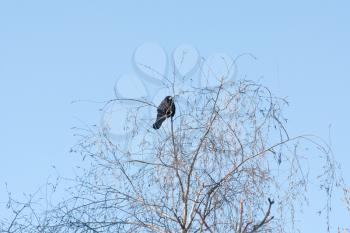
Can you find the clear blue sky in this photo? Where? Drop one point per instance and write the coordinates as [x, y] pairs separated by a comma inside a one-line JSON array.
[[53, 52]]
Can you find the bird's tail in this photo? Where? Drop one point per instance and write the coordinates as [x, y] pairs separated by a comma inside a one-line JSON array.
[[158, 123]]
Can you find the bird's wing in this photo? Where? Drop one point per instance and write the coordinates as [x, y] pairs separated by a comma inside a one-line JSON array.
[[162, 108]]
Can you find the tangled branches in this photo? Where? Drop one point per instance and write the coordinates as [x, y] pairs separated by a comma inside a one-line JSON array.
[[216, 167]]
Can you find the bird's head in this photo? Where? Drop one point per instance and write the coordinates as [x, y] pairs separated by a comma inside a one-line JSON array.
[[169, 99]]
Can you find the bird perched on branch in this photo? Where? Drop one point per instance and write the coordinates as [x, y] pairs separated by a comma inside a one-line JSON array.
[[165, 110]]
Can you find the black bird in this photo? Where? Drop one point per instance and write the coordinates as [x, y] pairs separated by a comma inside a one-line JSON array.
[[165, 110]]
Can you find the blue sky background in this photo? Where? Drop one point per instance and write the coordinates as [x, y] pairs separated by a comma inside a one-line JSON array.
[[54, 52]]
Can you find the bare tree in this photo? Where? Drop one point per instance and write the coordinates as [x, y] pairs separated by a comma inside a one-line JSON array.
[[224, 163]]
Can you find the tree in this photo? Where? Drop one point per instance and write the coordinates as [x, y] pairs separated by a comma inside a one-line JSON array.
[[224, 163]]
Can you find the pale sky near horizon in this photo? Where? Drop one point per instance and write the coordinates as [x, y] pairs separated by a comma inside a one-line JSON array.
[[55, 52]]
